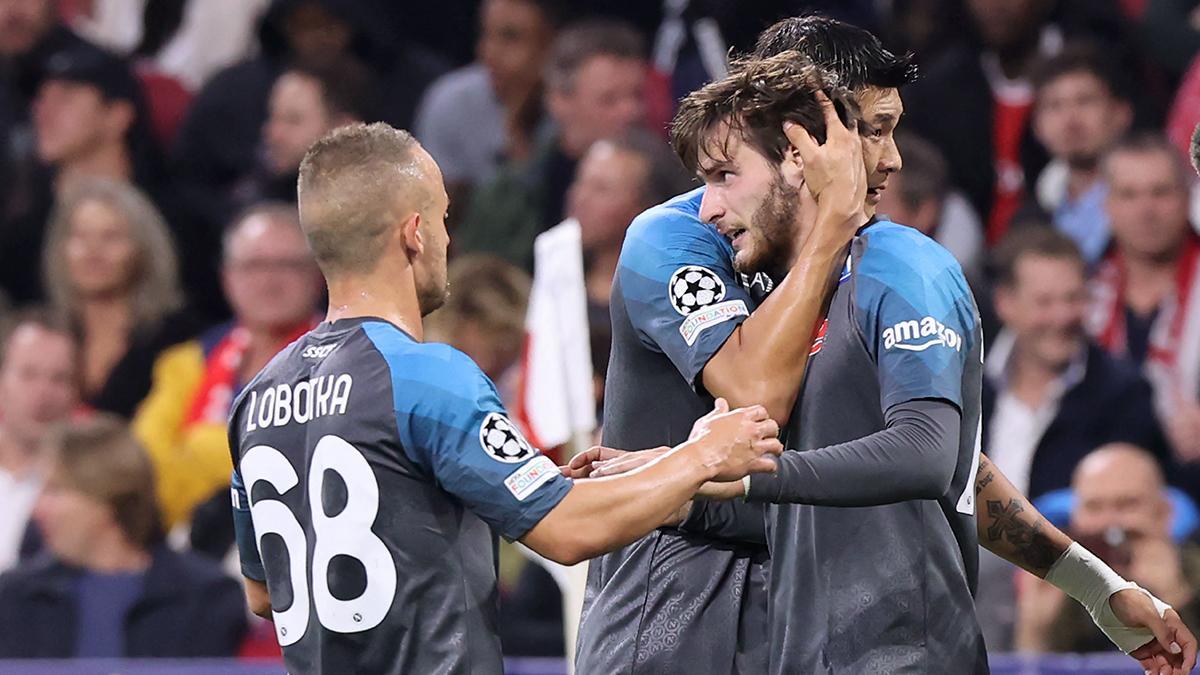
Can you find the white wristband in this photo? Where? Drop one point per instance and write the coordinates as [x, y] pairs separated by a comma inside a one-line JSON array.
[[1084, 577], [745, 487]]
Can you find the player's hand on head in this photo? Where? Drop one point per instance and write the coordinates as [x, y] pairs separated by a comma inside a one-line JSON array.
[[833, 171], [1172, 651]]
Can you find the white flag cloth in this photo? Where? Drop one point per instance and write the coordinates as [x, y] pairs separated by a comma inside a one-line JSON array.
[[557, 403]]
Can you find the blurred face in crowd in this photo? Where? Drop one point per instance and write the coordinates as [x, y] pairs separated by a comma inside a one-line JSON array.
[[922, 216], [514, 39], [604, 98], [71, 521], [313, 33], [1076, 118], [753, 202], [269, 275], [607, 194], [73, 120], [100, 252], [429, 266], [297, 119], [38, 386], [1005, 23], [22, 24], [1119, 486], [1147, 203], [1044, 308], [881, 112]]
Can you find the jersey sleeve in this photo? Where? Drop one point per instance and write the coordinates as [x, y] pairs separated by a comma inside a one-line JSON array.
[[457, 430], [679, 288], [243, 528], [916, 316]]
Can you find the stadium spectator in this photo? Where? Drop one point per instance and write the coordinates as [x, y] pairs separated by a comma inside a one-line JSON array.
[[594, 89], [922, 196], [1122, 512], [618, 178], [475, 117], [221, 133], [307, 101], [87, 120], [1081, 108], [1050, 395], [107, 587], [37, 390], [273, 286], [974, 104], [1146, 306], [30, 33], [110, 268], [484, 317]]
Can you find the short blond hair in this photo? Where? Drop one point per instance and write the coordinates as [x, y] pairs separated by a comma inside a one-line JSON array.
[[349, 189]]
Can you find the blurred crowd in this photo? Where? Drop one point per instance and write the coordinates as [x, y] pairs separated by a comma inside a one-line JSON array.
[[151, 259]]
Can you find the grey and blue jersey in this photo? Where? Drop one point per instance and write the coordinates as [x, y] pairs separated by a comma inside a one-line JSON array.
[[671, 602], [379, 471], [872, 532], [886, 588]]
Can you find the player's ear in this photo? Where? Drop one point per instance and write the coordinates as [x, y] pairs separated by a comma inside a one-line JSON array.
[[410, 232], [792, 166]]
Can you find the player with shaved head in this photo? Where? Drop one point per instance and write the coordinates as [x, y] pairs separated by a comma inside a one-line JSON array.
[[374, 470]]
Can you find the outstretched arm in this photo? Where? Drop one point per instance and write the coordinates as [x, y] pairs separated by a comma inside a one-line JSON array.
[[1135, 621], [727, 446]]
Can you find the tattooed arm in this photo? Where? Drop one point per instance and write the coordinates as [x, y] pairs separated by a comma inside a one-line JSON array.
[[1010, 527]]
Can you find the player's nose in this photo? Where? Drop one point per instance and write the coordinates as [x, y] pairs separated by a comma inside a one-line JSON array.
[[711, 207]]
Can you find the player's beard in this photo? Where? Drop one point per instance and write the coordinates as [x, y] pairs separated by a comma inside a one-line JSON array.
[[775, 225]]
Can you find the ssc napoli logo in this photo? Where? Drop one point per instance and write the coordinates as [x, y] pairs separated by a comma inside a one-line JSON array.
[[693, 287], [502, 440]]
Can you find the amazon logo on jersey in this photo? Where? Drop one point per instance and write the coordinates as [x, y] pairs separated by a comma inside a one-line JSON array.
[[918, 335]]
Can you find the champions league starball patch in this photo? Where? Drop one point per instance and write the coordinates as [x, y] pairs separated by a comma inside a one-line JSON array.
[[502, 440], [693, 288]]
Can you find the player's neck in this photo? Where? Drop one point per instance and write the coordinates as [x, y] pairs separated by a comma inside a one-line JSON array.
[[388, 299]]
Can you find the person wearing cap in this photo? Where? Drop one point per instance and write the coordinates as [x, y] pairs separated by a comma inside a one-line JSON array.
[[90, 120]]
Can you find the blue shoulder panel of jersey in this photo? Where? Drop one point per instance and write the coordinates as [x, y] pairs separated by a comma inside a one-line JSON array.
[[451, 424], [678, 285], [915, 312]]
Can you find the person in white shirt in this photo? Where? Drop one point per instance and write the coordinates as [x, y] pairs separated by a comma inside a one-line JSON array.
[[38, 388]]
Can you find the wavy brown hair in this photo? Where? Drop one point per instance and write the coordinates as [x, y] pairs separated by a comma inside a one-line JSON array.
[[755, 99]]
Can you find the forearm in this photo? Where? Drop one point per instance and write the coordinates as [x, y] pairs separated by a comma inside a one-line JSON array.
[[913, 458], [735, 521], [1010, 527], [602, 514], [763, 361]]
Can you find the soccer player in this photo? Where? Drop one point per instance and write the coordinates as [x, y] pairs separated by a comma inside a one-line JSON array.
[[1014, 530], [378, 469]]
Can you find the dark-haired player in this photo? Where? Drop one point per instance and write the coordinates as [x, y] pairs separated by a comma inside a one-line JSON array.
[[1014, 529], [378, 469]]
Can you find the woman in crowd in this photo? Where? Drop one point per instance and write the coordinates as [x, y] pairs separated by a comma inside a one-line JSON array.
[[111, 269]]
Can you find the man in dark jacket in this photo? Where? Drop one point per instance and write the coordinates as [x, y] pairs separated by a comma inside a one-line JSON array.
[[1050, 396], [108, 588]]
